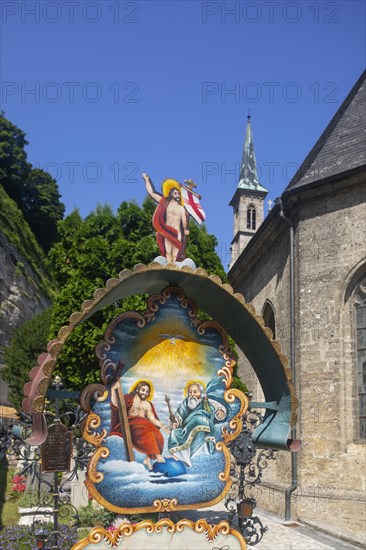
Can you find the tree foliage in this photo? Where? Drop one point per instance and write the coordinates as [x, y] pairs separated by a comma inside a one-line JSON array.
[[88, 253], [14, 168], [92, 250], [35, 191], [21, 356], [42, 207]]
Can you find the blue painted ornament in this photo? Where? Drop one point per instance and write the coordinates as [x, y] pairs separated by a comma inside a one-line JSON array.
[[170, 468]]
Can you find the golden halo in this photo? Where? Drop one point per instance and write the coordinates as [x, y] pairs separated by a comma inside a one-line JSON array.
[[200, 382], [170, 184], [147, 382]]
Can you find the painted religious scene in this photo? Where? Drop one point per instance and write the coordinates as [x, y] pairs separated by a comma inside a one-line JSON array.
[[163, 418]]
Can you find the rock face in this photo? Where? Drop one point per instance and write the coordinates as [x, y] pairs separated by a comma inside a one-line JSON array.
[[21, 298]]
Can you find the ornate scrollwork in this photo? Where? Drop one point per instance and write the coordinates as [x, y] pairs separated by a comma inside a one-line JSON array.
[[93, 474], [246, 471], [90, 433], [93, 392], [235, 423], [165, 505], [253, 530], [98, 534], [252, 419]]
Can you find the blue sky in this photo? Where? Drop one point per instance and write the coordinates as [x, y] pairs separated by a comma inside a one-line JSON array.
[[164, 87]]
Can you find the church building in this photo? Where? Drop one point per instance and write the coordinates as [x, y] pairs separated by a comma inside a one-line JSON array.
[[303, 268], [248, 199]]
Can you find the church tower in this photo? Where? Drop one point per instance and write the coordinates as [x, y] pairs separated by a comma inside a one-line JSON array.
[[248, 199]]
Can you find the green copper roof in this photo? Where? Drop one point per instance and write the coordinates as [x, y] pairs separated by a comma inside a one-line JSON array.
[[248, 171]]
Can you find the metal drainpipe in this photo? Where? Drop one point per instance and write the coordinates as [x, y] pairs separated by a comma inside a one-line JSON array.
[[293, 485]]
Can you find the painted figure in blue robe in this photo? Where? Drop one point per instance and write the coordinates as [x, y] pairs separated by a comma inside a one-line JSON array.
[[193, 431]]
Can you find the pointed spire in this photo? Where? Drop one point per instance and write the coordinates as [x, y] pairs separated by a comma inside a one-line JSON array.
[[248, 178]]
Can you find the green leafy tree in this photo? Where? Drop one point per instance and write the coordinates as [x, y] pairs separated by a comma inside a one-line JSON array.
[[14, 168], [21, 356], [43, 208], [201, 248], [91, 251], [35, 191]]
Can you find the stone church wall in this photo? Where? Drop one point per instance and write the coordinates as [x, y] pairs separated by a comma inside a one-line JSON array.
[[330, 242], [331, 245]]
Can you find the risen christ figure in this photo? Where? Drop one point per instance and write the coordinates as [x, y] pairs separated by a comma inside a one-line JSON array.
[[143, 422], [170, 219]]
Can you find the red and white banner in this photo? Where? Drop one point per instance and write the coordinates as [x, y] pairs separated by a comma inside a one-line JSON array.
[[192, 205]]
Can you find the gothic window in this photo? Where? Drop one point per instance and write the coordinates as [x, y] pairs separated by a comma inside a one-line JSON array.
[[269, 318], [251, 217], [360, 349]]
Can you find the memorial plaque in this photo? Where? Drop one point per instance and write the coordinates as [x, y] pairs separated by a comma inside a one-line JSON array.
[[57, 449]]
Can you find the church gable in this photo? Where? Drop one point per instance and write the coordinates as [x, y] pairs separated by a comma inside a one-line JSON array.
[[341, 147]]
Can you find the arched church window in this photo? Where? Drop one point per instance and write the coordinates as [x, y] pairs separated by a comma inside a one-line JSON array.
[[359, 304], [251, 217], [269, 318]]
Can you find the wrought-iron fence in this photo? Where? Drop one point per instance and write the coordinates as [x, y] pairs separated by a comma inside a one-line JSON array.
[[55, 518], [246, 472]]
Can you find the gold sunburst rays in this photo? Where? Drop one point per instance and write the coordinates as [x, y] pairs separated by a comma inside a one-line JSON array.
[[173, 333], [169, 360]]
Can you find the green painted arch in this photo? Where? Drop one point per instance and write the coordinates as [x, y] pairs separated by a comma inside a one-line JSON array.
[[219, 301]]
